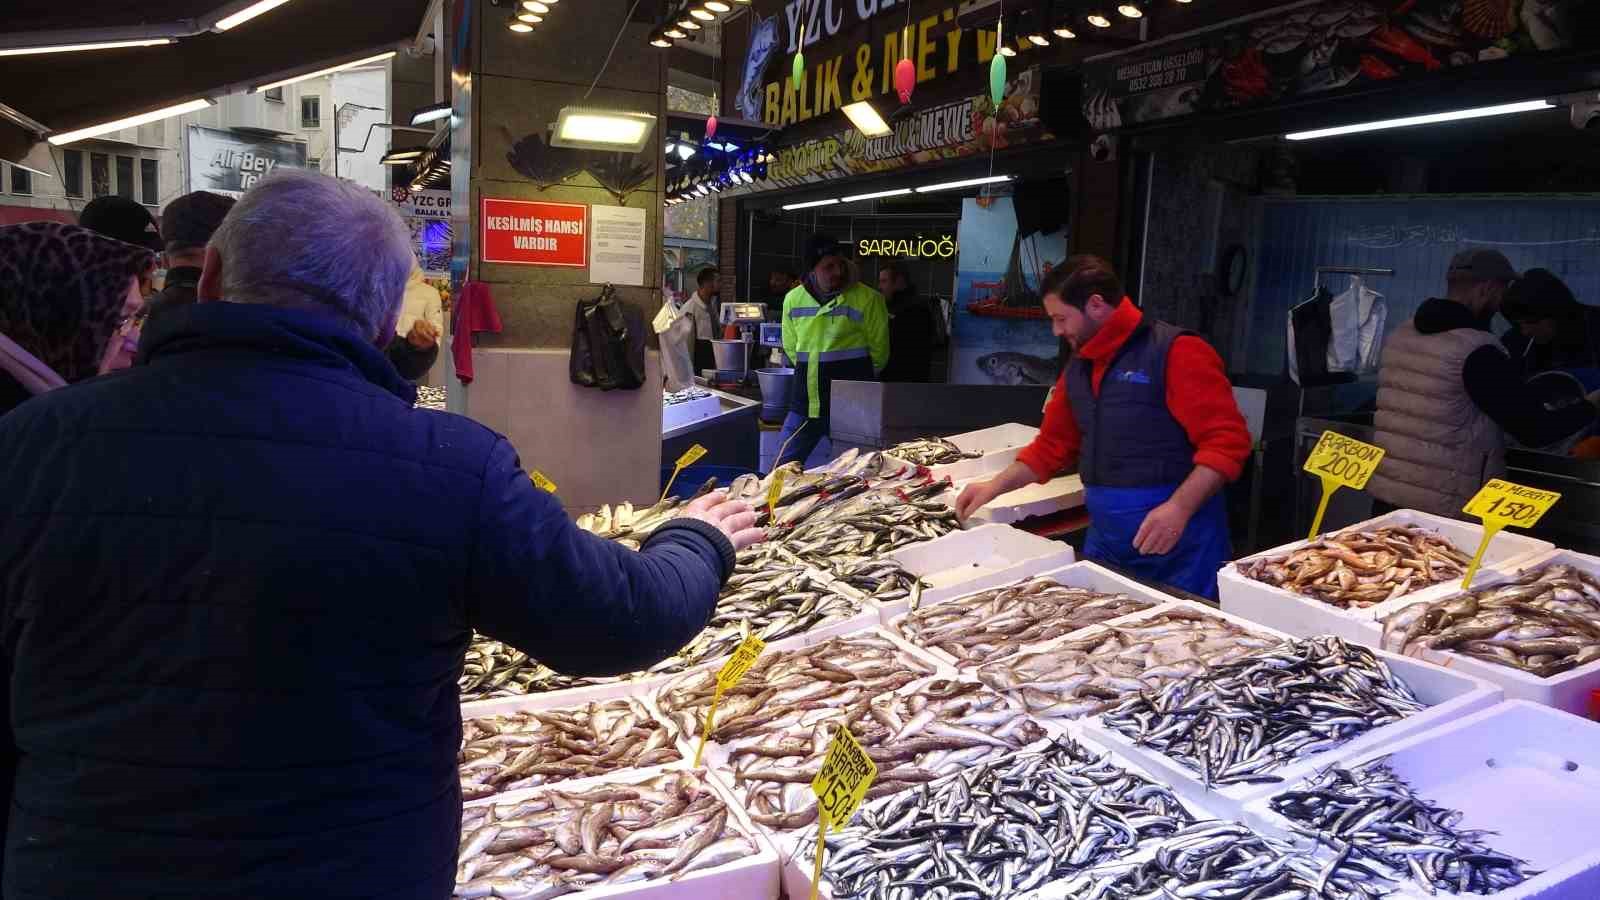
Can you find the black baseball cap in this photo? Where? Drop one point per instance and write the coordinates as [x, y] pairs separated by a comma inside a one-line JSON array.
[[189, 221], [124, 220], [822, 245], [1482, 264]]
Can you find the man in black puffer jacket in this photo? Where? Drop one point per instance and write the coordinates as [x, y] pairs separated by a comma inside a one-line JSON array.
[[237, 584]]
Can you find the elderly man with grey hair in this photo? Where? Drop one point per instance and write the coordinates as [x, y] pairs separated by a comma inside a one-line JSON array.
[[238, 582]]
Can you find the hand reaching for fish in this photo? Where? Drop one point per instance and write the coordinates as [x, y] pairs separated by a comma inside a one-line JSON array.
[[1161, 529], [733, 518]]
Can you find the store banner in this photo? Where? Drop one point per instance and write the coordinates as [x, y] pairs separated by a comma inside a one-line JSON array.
[[1315, 47], [230, 163], [421, 204], [961, 128], [427, 215], [535, 233]]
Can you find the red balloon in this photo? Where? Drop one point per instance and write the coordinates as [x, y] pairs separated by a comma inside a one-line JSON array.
[[905, 78], [711, 127]]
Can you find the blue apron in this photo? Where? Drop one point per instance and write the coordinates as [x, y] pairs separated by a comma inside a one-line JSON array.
[[1115, 516]]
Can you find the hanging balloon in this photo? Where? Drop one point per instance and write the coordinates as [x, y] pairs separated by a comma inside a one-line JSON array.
[[997, 80], [798, 74], [905, 78], [711, 127]]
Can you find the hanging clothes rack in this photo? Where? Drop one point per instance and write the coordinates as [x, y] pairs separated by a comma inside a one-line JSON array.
[[1347, 270]]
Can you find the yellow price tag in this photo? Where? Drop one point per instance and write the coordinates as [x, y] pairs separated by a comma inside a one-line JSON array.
[[685, 461], [541, 482], [774, 493], [744, 656], [1500, 503], [1340, 462], [846, 774]]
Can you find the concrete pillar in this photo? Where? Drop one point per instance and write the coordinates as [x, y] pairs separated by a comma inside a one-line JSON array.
[[598, 447]]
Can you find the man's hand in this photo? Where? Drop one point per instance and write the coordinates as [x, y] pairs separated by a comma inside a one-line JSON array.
[[733, 518], [423, 335], [975, 496], [1161, 529]]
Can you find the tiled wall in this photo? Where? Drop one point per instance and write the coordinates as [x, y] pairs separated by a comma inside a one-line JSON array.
[[585, 440]]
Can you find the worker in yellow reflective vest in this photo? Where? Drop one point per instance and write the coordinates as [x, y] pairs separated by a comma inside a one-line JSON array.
[[832, 328]]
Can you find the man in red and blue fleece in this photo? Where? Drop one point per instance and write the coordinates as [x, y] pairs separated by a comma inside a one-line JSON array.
[[1145, 411]]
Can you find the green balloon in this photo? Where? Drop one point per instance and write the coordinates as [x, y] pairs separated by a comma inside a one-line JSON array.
[[798, 76], [997, 79]]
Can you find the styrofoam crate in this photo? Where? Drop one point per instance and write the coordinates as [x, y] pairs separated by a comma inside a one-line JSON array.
[[1448, 696], [1082, 574], [964, 562], [1304, 616], [1055, 495], [1567, 691], [754, 877], [1524, 771], [998, 444], [690, 411]]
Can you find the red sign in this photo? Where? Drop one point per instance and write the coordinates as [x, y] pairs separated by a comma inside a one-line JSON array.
[[535, 233]]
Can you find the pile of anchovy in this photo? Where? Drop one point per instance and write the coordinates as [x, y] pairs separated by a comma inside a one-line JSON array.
[[1214, 860], [883, 580], [1358, 569], [673, 398], [903, 518], [1371, 813], [529, 749], [1544, 622], [557, 842], [497, 669], [997, 830], [930, 452], [993, 625], [1082, 676], [1242, 720]]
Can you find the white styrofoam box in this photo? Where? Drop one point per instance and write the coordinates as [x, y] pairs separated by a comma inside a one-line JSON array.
[[1448, 696], [1567, 691], [1528, 773], [680, 414], [754, 877], [1082, 574], [1055, 495], [998, 445], [1306, 616], [964, 562]]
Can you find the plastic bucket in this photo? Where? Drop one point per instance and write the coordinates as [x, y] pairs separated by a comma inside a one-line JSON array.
[[775, 387], [730, 355]]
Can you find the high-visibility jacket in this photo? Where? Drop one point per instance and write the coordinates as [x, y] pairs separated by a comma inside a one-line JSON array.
[[847, 337]]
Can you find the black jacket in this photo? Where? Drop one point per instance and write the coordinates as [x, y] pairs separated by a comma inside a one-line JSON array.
[[911, 336], [1577, 345], [180, 290], [236, 587]]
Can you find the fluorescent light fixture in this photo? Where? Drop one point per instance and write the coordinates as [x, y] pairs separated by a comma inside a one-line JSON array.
[[661, 41], [704, 15], [155, 115], [811, 204], [1099, 20], [866, 119], [519, 26], [1038, 40], [1007, 50], [688, 23], [401, 157], [248, 13], [898, 192], [17, 165], [970, 182], [1481, 112], [530, 18], [602, 129], [718, 6], [535, 6], [338, 68], [1131, 10], [676, 33], [1065, 33], [431, 113], [74, 48]]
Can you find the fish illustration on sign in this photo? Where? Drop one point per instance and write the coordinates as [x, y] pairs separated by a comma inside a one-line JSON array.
[[1006, 367], [763, 46]]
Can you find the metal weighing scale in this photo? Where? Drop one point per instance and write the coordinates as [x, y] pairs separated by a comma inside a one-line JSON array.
[[733, 356]]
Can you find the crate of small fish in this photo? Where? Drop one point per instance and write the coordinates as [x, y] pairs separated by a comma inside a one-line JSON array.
[[1499, 803], [992, 625], [1235, 731], [1535, 632], [971, 454], [1080, 676], [1001, 828], [1335, 583], [972, 560], [672, 835]]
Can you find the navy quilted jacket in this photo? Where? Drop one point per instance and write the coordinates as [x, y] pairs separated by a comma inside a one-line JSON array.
[[237, 584]]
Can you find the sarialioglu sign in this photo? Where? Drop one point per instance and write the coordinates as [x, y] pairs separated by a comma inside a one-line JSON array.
[[230, 163], [535, 233], [942, 247]]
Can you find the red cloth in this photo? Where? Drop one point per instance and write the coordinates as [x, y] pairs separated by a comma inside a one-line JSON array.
[[474, 313], [1199, 396]]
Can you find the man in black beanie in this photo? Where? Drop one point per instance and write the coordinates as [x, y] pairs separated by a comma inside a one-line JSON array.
[[1553, 330], [187, 224]]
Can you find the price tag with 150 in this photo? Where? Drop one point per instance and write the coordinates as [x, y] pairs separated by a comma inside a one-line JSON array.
[[729, 675], [1500, 503], [689, 457], [1340, 462], [840, 786]]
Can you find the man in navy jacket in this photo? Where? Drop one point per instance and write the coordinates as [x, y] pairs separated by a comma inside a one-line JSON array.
[[237, 583]]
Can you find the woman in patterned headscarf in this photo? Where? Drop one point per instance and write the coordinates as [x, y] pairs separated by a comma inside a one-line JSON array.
[[69, 306]]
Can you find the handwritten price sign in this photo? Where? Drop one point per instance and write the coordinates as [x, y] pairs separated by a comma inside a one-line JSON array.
[[1501, 503], [1340, 462], [731, 673], [773, 493], [689, 458], [846, 774], [541, 482]]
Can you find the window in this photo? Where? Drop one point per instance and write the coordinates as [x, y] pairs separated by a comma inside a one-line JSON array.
[[273, 95], [72, 172], [100, 174], [310, 112], [21, 181], [314, 163], [125, 177], [149, 182]]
